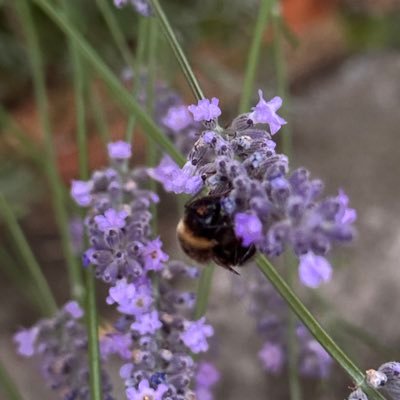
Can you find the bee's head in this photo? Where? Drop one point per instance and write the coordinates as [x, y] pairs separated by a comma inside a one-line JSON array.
[[204, 213]]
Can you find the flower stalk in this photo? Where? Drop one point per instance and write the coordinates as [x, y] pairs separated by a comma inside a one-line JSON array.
[[47, 303], [177, 49]]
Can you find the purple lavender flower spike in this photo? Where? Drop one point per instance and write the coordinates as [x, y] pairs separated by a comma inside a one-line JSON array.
[[26, 340], [154, 257], [195, 335], [265, 113], [248, 227], [112, 220], [177, 118], [272, 357], [74, 309], [205, 110], [144, 391], [60, 345], [175, 179], [314, 270], [80, 192]]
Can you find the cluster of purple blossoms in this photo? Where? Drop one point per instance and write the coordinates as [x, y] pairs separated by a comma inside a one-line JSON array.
[[157, 341], [271, 313], [60, 344], [118, 221], [271, 206], [153, 335], [140, 6]]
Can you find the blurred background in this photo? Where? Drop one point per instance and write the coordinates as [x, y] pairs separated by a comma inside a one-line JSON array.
[[340, 65]]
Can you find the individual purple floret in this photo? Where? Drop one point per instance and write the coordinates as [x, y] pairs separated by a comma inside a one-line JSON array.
[[141, 6], [265, 113], [314, 270], [272, 357], [248, 228], [119, 150], [271, 206], [177, 118], [195, 335], [112, 220], [144, 391], [206, 378], [205, 110], [60, 346], [80, 192]]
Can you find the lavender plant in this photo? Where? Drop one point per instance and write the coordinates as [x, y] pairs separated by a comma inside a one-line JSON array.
[[273, 208]]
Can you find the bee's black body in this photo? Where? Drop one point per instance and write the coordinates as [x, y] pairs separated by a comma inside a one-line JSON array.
[[206, 233]]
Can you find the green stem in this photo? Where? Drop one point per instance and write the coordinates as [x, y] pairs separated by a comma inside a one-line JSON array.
[[93, 335], [90, 284], [313, 325], [203, 291], [75, 276], [9, 388], [179, 54], [254, 55], [140, 51], [125, 98], [48, 304]]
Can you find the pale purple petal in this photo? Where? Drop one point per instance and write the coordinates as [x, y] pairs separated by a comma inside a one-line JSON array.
[[175, 179], [25, 340], [81, 192], [177, 118], [74, 309], [314, 270], [248, 227], [205, 110], [265, 113], [112, 219], [119, 150], [272, 357]]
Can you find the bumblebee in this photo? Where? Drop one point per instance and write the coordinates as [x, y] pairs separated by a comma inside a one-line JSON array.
[[206, 233]]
